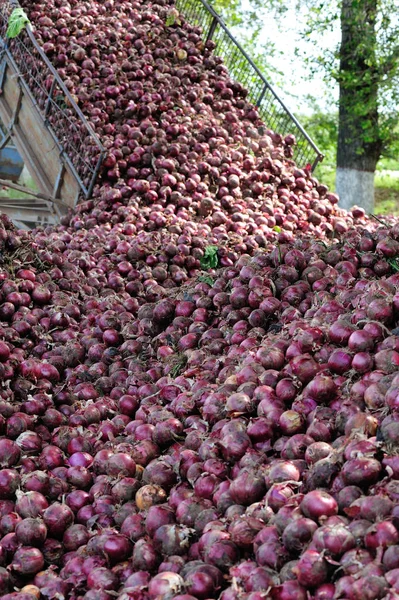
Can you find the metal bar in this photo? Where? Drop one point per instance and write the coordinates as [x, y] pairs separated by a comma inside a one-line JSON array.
[[263, 92], [28, 217], [25, 190], [49, 99], [2, 71], [212, 29], [316, 161], [5, 139], [20, 204], [3, 64], [94, 178], [59, 181], [17, 108]]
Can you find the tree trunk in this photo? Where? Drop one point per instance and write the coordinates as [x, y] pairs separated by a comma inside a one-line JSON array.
[[355, 187], [359, 143]]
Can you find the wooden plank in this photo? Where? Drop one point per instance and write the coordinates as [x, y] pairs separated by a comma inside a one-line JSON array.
[[23, 146], [31, 217], [25, 190], [29, 203]]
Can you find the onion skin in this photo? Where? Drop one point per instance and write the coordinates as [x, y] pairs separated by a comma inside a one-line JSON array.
[[361, 471], [312, 569], [317, 504], [27, 561]]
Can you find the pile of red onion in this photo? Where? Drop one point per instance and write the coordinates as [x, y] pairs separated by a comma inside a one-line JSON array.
[[176, 430]]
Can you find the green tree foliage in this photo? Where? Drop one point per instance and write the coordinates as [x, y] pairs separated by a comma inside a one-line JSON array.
[[366, 66], [246, 19], [322, 126]]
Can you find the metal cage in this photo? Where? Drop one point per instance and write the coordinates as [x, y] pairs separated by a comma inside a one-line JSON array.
[[77, 143]]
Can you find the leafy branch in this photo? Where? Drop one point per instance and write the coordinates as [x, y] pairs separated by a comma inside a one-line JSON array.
[[172, 18], [17, 21], [394, 264]]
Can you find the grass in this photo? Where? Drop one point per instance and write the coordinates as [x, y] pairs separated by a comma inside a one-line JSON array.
[[387, 192]]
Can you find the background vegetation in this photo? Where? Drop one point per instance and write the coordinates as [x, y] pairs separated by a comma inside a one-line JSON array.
[[252, 22], [322, 127]]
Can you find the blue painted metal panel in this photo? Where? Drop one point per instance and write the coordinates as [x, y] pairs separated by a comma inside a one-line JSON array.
[[11, 164]]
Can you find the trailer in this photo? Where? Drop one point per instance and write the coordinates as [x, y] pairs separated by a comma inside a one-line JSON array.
[[47, 128]]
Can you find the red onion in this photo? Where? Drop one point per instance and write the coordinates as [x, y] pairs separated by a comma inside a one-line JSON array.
[[57, 518], [31, 505], [325, 592], [247, 488], [74, 537], [289, 590], [334, 540], [27, 561], [8, 523], [163, 584], [170, 539], [282, 471], [31, 532], [304, 367], [312, 569], [391, 558], [102, 578], [9, 453], [157, 516], [9, 483], [381, 535], [361, 471], [145, 556], [340, 361], [278, 494], [361, 341], [298, 534], [318, 503]]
